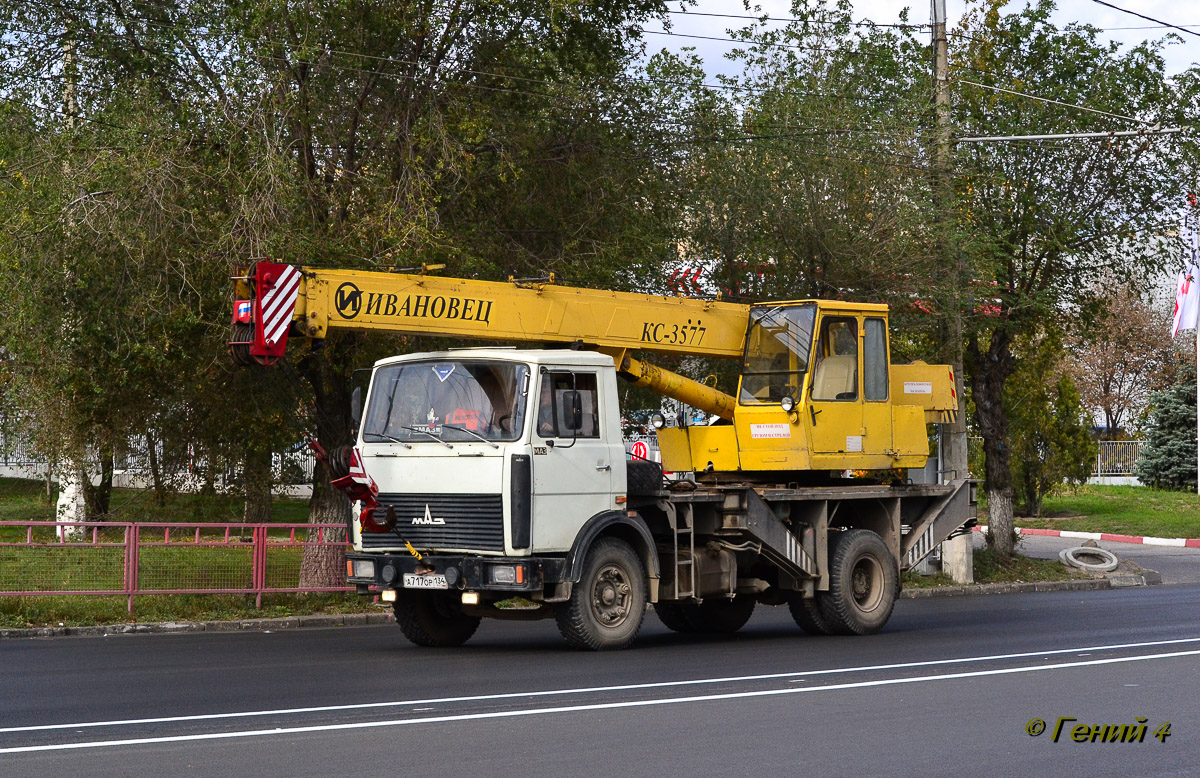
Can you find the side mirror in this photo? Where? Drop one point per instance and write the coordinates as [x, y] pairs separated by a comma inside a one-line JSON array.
[[355, 408], [573, 412]]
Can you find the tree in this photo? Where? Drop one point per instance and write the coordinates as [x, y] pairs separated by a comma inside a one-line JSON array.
[[1051, 440], [1118, 361], [493, 137], [1168, 458], [1041, 222]]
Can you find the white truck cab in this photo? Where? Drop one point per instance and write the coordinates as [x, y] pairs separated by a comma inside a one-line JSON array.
[[491, 451]]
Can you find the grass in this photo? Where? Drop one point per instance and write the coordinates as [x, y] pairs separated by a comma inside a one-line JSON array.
[[25, 500], [22, 612], [180, 565], [992, 568], [1124, 510], [1117, 509]]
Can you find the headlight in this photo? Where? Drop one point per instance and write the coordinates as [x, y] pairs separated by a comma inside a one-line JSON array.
[[363, 568], [788, 402], [658, 421], [504, 574]]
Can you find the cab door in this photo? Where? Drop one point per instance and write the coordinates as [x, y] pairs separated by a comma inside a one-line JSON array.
[[835, 409], [876, 408], [573, 462]]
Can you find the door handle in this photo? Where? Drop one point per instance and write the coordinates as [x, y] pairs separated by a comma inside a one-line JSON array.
[[813, 415], [604, 467]]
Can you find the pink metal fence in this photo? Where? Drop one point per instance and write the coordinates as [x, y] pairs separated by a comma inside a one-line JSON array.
[[124, 558]]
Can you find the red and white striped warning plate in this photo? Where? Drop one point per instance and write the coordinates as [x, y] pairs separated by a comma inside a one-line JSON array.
[[278, 286]]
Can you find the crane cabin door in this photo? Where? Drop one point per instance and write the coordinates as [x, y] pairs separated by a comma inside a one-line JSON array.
[[835, 407], [848, 396], [574, 460]]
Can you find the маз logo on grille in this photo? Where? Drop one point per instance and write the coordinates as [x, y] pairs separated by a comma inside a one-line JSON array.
[[427, 518]]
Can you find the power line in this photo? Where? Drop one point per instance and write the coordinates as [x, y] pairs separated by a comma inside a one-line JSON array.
[[790, 20], [1072, 135], [1148, 18], [1055, 102]]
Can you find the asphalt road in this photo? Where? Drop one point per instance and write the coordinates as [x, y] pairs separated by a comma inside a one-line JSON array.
[[946, 689]]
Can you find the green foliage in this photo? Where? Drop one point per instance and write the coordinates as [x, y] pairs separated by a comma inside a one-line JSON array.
[[1123, 510], [495, 137], [1050, 436], [1168, 458], [1041, 222]]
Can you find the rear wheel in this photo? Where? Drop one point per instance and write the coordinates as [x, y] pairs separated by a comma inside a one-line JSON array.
[[433, 619], [606, 607], [807, 615], [717, 615], [674, 616], [722, 615], [863, 581]]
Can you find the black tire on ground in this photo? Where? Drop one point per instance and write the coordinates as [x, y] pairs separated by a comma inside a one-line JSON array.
[[720, 615], [807, 615], [608, 603], [433, 619], [643, 477], [674, 616], [862, 583]]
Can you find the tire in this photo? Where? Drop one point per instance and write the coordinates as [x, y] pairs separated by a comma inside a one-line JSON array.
[[674, 616], [717, 615], [807, 615], [722, 616], [433, 619], [643, 477], [862, 584], [608, 603]]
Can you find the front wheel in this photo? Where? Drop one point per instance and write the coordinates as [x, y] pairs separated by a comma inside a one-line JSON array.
[[433, 619], [607, 605], [863, 581]]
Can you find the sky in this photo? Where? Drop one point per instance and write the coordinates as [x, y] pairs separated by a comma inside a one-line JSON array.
[[1117, 25]]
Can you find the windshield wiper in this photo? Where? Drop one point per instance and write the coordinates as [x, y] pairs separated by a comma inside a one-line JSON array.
[[426, 432], [472, 433], [387, 437]]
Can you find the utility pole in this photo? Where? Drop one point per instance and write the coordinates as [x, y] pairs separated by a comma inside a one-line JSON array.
[[957, 552]]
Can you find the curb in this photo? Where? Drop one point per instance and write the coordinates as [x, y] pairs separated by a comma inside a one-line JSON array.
[[360, 619], [1145, 540], [263, 625], [1085, 585]]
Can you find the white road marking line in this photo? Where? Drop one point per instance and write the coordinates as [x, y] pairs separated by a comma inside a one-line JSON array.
[[590, 689], [589, 707]]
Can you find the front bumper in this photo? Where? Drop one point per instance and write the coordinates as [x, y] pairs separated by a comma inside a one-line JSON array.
[[462, 572]]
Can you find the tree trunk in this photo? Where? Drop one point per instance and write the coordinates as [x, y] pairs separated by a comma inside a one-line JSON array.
[[991, 370], [160, 496], [324, 565], [256, 479], [98, 499]]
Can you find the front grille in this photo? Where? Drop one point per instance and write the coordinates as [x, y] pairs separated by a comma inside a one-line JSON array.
[[473, 521]]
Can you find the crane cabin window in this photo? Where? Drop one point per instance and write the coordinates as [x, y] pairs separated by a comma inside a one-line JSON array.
[[778, 342], [450, 400], [836, 374]]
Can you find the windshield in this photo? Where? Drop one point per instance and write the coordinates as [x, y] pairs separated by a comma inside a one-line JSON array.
[[777, 347], [451, 400]]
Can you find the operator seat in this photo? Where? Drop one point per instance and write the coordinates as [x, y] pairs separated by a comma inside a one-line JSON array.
[[836, 378]]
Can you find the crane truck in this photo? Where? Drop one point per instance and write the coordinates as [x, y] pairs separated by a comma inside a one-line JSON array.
[[487, 473]]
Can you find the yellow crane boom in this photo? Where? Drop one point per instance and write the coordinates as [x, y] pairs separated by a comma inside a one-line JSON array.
[[817, 389]]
